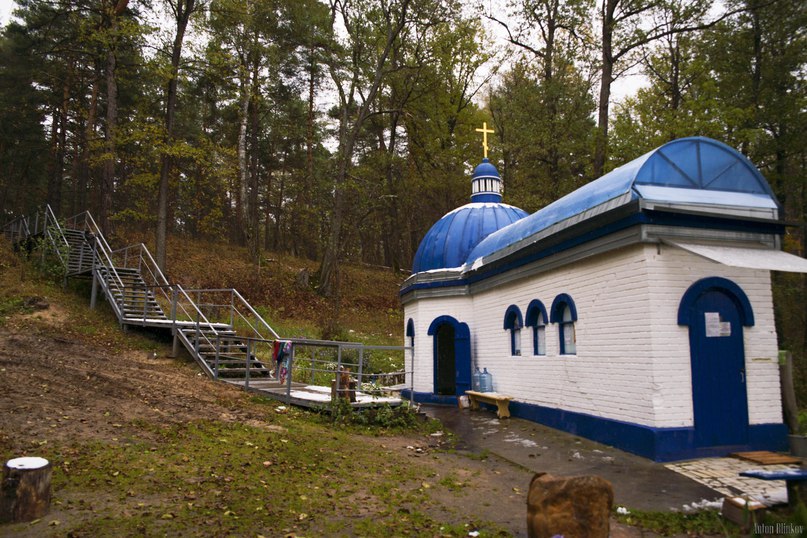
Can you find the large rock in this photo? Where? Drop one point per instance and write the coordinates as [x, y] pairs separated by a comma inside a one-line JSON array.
[[574, 507]]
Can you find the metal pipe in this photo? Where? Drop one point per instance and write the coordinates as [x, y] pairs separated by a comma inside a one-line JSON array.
[[288, 375], [361, 365], [249, 354], [218, 349]]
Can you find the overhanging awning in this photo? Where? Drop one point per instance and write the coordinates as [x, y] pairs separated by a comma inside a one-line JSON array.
[[751, 258]]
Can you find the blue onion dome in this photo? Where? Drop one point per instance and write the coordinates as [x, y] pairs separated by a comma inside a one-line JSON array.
[[448, 243]]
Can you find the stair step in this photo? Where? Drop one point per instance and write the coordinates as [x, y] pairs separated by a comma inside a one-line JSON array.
[[205, 347], [190, 332], [252, 371], [239, 362]]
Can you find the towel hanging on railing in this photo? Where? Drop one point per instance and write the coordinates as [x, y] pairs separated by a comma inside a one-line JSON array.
[[281, 351]]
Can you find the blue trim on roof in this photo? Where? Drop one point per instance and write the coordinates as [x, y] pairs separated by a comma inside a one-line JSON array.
[[686, 308], [556, 312], [535, 307], [689, 164], [486, 197], [511, 315], [644, 217]]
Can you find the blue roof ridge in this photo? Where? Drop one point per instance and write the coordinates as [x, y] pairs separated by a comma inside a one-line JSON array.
[[661, 172]]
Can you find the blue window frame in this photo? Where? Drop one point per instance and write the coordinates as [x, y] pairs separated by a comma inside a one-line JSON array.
[[537, 319], [564, 313], [513, 322]]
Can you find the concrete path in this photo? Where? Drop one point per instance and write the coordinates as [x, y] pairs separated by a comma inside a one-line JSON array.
[[638, 483]]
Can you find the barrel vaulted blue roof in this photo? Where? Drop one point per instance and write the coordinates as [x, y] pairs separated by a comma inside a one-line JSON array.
[[692, 172]]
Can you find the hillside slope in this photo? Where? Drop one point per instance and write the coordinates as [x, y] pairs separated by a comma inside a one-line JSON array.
[[369, 306], [143, 444]]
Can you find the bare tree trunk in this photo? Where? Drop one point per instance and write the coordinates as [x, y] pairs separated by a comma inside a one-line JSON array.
[[253, 213], [88, 137], [329, 267], [606, 78], [182, 10], [110, 149], [242, 203], [306, 237], [54, 179], [108, 169], [58, 145], [279, 205], [267, 213]]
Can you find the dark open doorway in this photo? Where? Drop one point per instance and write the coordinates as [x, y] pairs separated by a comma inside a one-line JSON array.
[[446, 360]]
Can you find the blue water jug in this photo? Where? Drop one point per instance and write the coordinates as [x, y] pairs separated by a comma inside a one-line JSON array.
[[476, 382], [486, 382]]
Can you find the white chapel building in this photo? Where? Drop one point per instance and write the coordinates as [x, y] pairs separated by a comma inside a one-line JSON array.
[[636, 311]]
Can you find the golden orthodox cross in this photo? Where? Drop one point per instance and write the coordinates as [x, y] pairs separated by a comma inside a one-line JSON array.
[[484, 130]]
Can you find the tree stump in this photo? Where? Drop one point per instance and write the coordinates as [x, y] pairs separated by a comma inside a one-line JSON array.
[[25, 490]]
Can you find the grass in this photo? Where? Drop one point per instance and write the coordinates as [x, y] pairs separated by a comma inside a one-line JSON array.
[[673, 523], [212, 478]]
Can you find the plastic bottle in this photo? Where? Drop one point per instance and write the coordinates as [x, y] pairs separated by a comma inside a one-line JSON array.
[[476, 382], [486, 381]]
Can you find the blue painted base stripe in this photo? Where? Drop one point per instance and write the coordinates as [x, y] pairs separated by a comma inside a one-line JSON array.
[[658, 444], [429, 398]]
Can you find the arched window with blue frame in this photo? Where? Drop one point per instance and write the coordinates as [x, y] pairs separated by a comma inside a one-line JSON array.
[[513, 322], [410, 332], [564, 313], [537, 319]]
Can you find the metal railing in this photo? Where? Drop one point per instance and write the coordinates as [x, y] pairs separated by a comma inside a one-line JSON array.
[[324, 362], [217, 320], [44, 223], [226, 305], [102, 259]]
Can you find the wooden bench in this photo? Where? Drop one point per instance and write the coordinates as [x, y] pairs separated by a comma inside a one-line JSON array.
[[501, 401], [793, 479]]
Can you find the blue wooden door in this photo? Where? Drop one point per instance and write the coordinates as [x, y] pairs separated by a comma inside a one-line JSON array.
[[718, 371], [463, 359]]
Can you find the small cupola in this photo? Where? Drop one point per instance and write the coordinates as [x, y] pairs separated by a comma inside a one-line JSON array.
[[486, 184]]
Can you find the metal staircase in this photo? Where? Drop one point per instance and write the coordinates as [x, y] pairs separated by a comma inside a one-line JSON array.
[[219, 328]]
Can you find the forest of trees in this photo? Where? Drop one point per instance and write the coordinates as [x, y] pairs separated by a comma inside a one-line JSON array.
[[342, 130]]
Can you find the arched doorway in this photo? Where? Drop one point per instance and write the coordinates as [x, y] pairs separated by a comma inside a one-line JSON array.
[[715, 310], [452, 356]]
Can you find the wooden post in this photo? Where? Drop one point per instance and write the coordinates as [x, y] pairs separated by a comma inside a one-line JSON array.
[[25, 492], [789, 404]]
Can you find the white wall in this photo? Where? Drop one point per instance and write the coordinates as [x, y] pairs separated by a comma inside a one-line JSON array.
[[423, 312], [632, 361], [672, 271]]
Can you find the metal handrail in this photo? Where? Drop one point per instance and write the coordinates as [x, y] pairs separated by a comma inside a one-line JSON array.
[[17, 224], [254, 313], [20, 229], [234, 294], [49, 215]]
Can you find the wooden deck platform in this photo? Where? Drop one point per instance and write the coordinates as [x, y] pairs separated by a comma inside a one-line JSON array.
[[303, 395]]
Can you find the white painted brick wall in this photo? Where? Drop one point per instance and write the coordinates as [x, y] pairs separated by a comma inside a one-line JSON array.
[[672, 271], [623, 370]]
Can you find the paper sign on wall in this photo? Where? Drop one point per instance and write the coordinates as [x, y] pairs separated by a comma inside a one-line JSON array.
[[715, 328]]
